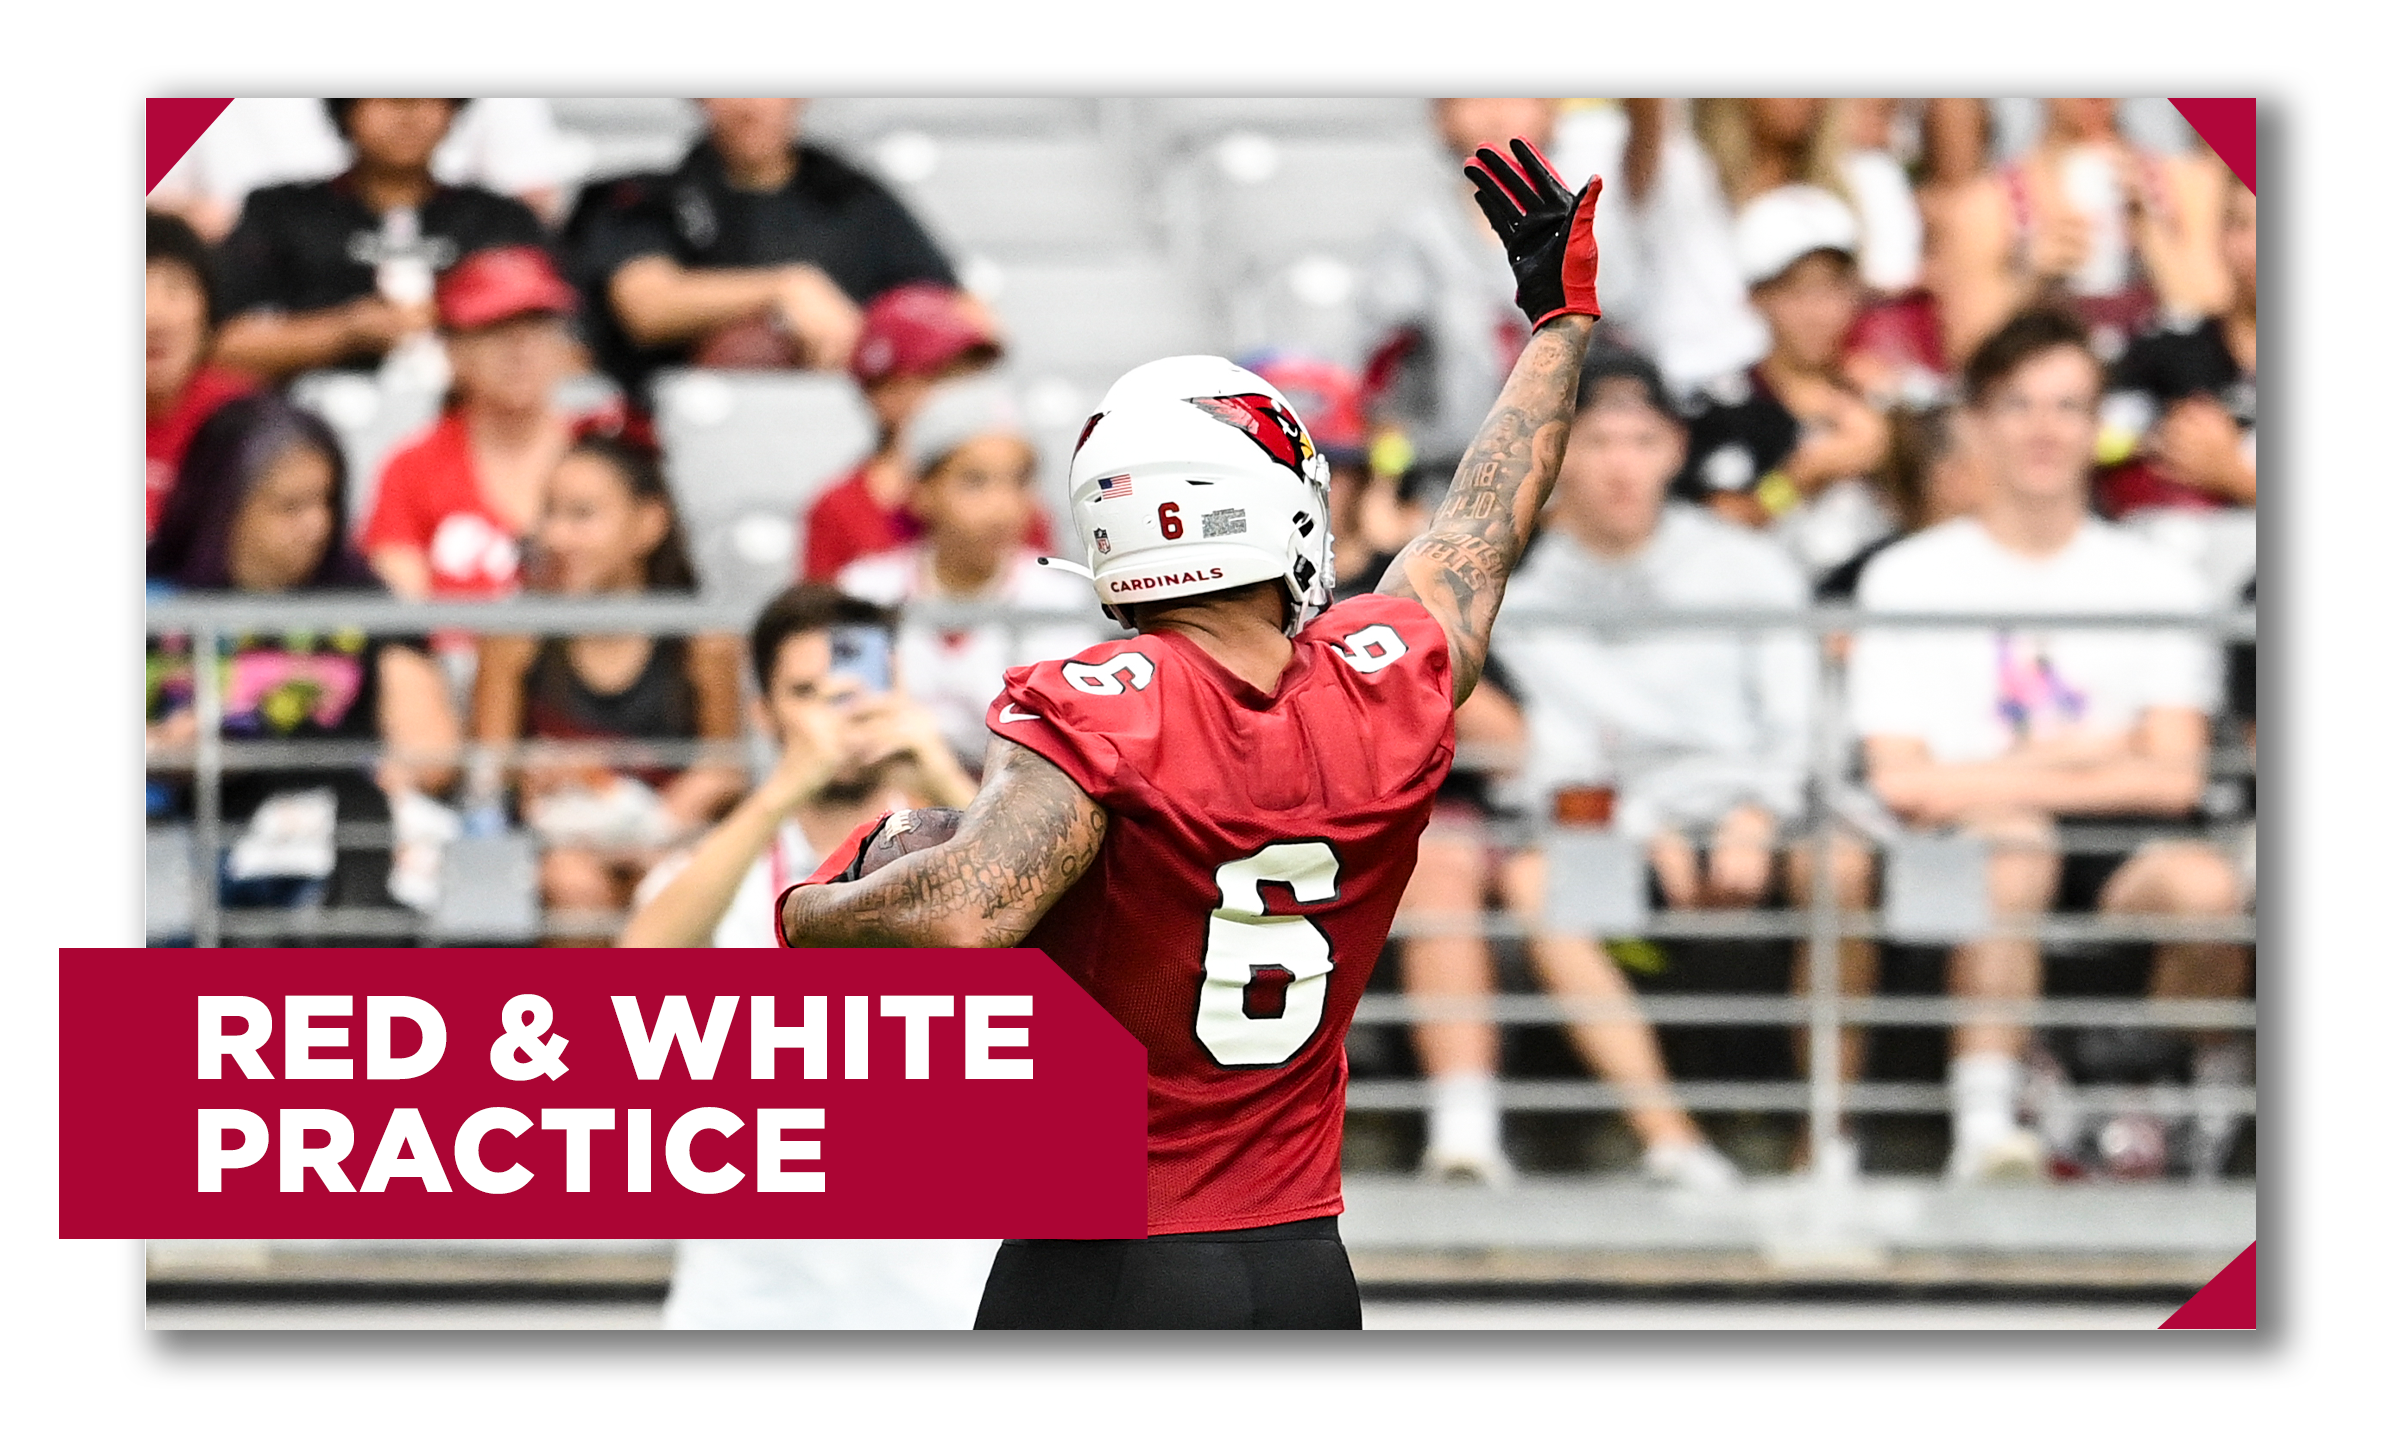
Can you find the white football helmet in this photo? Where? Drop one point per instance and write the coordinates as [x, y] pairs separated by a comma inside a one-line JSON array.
[[1196, 475]]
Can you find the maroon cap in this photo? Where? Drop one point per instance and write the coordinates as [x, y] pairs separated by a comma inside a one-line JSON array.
[[917, 329], [490, 286]]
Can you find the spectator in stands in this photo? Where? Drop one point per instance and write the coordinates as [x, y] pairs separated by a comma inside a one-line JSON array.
[[850, 748], [2087, 220], [608, 527], [510, 146], [1701, 737], [1975, 263], [850, 745], [337, 272], [258, 511], [913, 337], [456, 503], [1438, 294], [1935, 475], [973, 491], [1932, 475], [1790, 445], [757, 250], [2004, 734], [2187, 395], [180, 388], [1839, 146]]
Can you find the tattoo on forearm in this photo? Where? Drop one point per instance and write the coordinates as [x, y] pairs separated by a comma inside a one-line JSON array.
[[1460, 566], [1027, 839]]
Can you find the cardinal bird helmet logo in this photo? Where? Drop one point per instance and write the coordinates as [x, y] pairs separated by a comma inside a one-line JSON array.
[[1269, 425]]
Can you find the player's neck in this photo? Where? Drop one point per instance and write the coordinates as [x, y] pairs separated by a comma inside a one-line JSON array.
[[1240, 634]]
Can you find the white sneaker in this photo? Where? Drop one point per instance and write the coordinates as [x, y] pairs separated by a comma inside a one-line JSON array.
[[1695, 1165], [1476, 1165], [2012, 1156]]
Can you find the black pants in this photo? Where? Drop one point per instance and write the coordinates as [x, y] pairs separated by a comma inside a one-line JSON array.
[[1294, 1276]]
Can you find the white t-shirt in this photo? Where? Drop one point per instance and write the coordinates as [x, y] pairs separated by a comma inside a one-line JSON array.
[[1687, 724], [1975, 694], [956, 674], [802, 1284], [749, 922]]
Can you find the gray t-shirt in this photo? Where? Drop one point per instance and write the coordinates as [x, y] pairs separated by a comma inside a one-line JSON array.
[[1686, 724]]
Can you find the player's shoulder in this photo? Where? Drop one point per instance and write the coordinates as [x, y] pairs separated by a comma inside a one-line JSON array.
[[1385, 638], [1126, 668], [1398, 612]]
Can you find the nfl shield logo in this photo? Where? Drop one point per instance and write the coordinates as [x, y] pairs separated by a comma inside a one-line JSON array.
[[1100, 541]]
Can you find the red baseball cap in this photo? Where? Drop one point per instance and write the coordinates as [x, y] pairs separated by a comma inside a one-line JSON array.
[[917, 329], [1330, 400], [490, 286]]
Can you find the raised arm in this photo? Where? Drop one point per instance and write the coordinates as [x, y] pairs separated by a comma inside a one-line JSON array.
[[1029, 836], [1459, 567]]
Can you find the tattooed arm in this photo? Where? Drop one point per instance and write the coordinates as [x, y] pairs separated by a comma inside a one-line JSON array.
[[1030, 835], [1459, 567]]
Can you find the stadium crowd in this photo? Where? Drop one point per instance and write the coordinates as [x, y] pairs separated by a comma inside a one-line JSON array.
[[1862, 351]]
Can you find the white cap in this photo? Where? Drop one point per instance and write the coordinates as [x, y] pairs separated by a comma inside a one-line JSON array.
[[954, 412], [1788, 222]]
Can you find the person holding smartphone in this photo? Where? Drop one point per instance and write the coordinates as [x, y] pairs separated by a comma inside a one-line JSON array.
[[851, 746]]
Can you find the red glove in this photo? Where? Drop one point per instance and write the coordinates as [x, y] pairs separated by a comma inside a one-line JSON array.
[[841, 864], [1546, 231]]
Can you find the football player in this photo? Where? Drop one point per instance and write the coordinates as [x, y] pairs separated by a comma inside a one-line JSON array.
[[1210, 824]]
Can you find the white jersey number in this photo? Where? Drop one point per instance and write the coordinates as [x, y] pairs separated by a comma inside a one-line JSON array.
[[1110, 676], [1251, 956], [1369, 650]]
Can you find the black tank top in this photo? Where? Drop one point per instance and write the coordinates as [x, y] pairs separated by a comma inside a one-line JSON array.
[[658, 705]]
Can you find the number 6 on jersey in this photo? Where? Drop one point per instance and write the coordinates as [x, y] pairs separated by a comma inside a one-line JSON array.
[[1247, 946]]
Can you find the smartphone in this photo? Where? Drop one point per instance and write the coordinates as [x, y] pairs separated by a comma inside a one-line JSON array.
[[863, 653]]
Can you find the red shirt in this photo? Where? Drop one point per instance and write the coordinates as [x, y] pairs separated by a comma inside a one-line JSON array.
[[171, 434], [845, 524], [1257, 847], [430, 500]]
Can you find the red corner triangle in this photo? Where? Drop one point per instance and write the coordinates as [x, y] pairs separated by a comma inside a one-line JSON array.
[[2229, 1302], [174, 127], [2231, 129]]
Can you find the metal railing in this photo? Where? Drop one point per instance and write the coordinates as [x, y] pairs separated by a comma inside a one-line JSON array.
[[1819, 925]]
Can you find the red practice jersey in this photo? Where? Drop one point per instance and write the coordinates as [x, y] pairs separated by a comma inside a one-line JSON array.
[[1257, 847]]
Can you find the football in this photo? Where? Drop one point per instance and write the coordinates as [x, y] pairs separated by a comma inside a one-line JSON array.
[[906, 833]]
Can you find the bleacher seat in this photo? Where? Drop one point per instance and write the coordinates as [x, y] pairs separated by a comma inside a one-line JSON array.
[[630, 135], [1015, 196], [746, 452], [1099, 317], [859, 120], [1177, 123], [1277, 230]]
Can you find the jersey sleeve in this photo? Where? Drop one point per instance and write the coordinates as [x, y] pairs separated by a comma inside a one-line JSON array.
[[1397, 657], [1084, 714], [1355, 629]]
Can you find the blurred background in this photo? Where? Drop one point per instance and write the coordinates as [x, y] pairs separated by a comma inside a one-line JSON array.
[[506, 454]]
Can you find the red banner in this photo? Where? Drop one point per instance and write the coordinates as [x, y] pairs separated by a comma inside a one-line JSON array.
[[442, 1094]]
